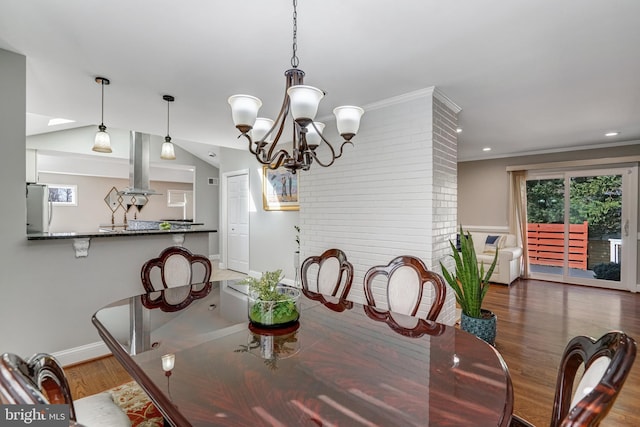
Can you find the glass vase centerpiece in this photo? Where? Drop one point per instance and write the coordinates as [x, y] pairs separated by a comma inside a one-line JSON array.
[[272, 304]]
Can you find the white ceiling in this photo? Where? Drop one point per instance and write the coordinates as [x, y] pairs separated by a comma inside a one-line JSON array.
[[529, 75]]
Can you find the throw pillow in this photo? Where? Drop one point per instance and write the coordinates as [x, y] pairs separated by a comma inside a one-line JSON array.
[[492, 244]]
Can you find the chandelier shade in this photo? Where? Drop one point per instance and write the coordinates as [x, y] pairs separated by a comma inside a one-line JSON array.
[[102, 141], [304, 102], [301, 103], [348, 120], [260, 129], [314, 133], [244, 110]]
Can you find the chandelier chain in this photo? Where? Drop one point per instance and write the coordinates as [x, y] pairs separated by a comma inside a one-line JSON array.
[[294, 58]]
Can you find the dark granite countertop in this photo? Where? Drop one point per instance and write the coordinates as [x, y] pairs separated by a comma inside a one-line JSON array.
[[115, 233]]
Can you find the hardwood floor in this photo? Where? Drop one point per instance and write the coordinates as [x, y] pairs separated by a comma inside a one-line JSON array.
[[95, 376], [535, 321]]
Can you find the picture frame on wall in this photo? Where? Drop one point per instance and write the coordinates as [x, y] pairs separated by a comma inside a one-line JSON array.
[[63, 195], [279, 190]]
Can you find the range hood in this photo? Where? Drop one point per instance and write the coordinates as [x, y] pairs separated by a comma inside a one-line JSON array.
[[139, 166]]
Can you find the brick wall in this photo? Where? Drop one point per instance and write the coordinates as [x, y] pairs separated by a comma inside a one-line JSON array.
[[393, 193]]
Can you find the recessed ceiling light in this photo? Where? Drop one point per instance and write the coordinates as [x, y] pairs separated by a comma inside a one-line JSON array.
[[486, 149], [54, 122], [459, 130], [212, 154], [615, 133]]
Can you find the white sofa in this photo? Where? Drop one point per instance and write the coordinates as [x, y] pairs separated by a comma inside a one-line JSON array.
[[509, 255]]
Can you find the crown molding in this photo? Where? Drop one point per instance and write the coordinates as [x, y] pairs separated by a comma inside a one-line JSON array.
[[429, 92]]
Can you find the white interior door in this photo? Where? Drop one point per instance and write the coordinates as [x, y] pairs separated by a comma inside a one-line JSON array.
[[237, 226]]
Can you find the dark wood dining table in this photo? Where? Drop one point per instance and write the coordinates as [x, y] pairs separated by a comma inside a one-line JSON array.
[[330, 368]]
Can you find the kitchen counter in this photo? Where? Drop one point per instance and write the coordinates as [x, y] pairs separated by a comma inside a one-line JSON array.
[[81, 240], [116, 233]]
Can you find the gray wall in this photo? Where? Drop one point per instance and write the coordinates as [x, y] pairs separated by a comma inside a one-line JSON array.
[[47, 296], [485, 183], [272, 236]]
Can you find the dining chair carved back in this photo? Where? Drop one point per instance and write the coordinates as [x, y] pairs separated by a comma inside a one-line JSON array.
[[165, 278], [327, 278], [399, 287], [607, 362], [41, 380]]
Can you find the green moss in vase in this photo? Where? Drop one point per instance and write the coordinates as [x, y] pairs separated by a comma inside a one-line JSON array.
[[271, 304]]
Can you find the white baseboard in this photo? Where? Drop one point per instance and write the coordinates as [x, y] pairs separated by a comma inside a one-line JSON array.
[[82, 353]]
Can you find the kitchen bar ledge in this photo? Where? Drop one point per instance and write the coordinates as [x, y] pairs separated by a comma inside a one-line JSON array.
[[81, 240]]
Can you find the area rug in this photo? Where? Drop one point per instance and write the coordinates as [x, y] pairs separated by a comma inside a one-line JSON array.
[[136, 404]]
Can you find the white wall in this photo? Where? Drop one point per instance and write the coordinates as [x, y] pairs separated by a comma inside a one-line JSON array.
[[47, 296], [393, 193], [272, 236]]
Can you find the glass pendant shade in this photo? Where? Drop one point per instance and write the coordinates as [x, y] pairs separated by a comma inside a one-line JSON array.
[[244, 109], [102, 142], [348, 120], [260, 129], [168, 362], [168, 152], [313, 137], [304, 101]]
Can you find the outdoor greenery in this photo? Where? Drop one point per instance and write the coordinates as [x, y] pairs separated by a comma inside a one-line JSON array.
[[469, 283], [596, 199], [271, 305]]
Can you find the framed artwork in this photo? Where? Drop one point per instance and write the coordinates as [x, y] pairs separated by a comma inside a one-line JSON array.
[[63, 195], [279, 190]]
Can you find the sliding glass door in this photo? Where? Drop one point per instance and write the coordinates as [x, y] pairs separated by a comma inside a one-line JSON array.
[[579, 227]]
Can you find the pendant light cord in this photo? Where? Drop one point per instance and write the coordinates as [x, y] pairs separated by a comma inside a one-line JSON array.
[[168, 118], [102, 112], [294, 57]]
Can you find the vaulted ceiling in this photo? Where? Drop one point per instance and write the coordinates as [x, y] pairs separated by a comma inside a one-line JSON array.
[[530, 75]]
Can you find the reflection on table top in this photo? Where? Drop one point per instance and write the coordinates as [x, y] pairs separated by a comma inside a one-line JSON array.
[[329, 369]]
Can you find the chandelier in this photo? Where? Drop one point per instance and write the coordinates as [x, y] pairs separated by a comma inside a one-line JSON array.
[[302, 102]]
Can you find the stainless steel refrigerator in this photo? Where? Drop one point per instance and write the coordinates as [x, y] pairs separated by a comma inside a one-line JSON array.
[[39, 208]]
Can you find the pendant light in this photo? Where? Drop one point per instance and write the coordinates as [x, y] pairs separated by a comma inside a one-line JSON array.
[[168, 152], [102, 143]]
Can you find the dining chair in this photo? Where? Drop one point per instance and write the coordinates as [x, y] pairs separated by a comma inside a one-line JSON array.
[[607, 362], [402, 291], [332, 279], [165, 278], [41, 380]]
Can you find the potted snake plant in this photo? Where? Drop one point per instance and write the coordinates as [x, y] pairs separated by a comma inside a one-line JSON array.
[[470, 283]]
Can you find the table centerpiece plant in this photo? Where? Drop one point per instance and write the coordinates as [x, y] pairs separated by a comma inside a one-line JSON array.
[[270, 303], [470, 283]]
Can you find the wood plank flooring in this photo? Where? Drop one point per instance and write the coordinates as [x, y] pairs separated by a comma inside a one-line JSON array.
[[536, 319]]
